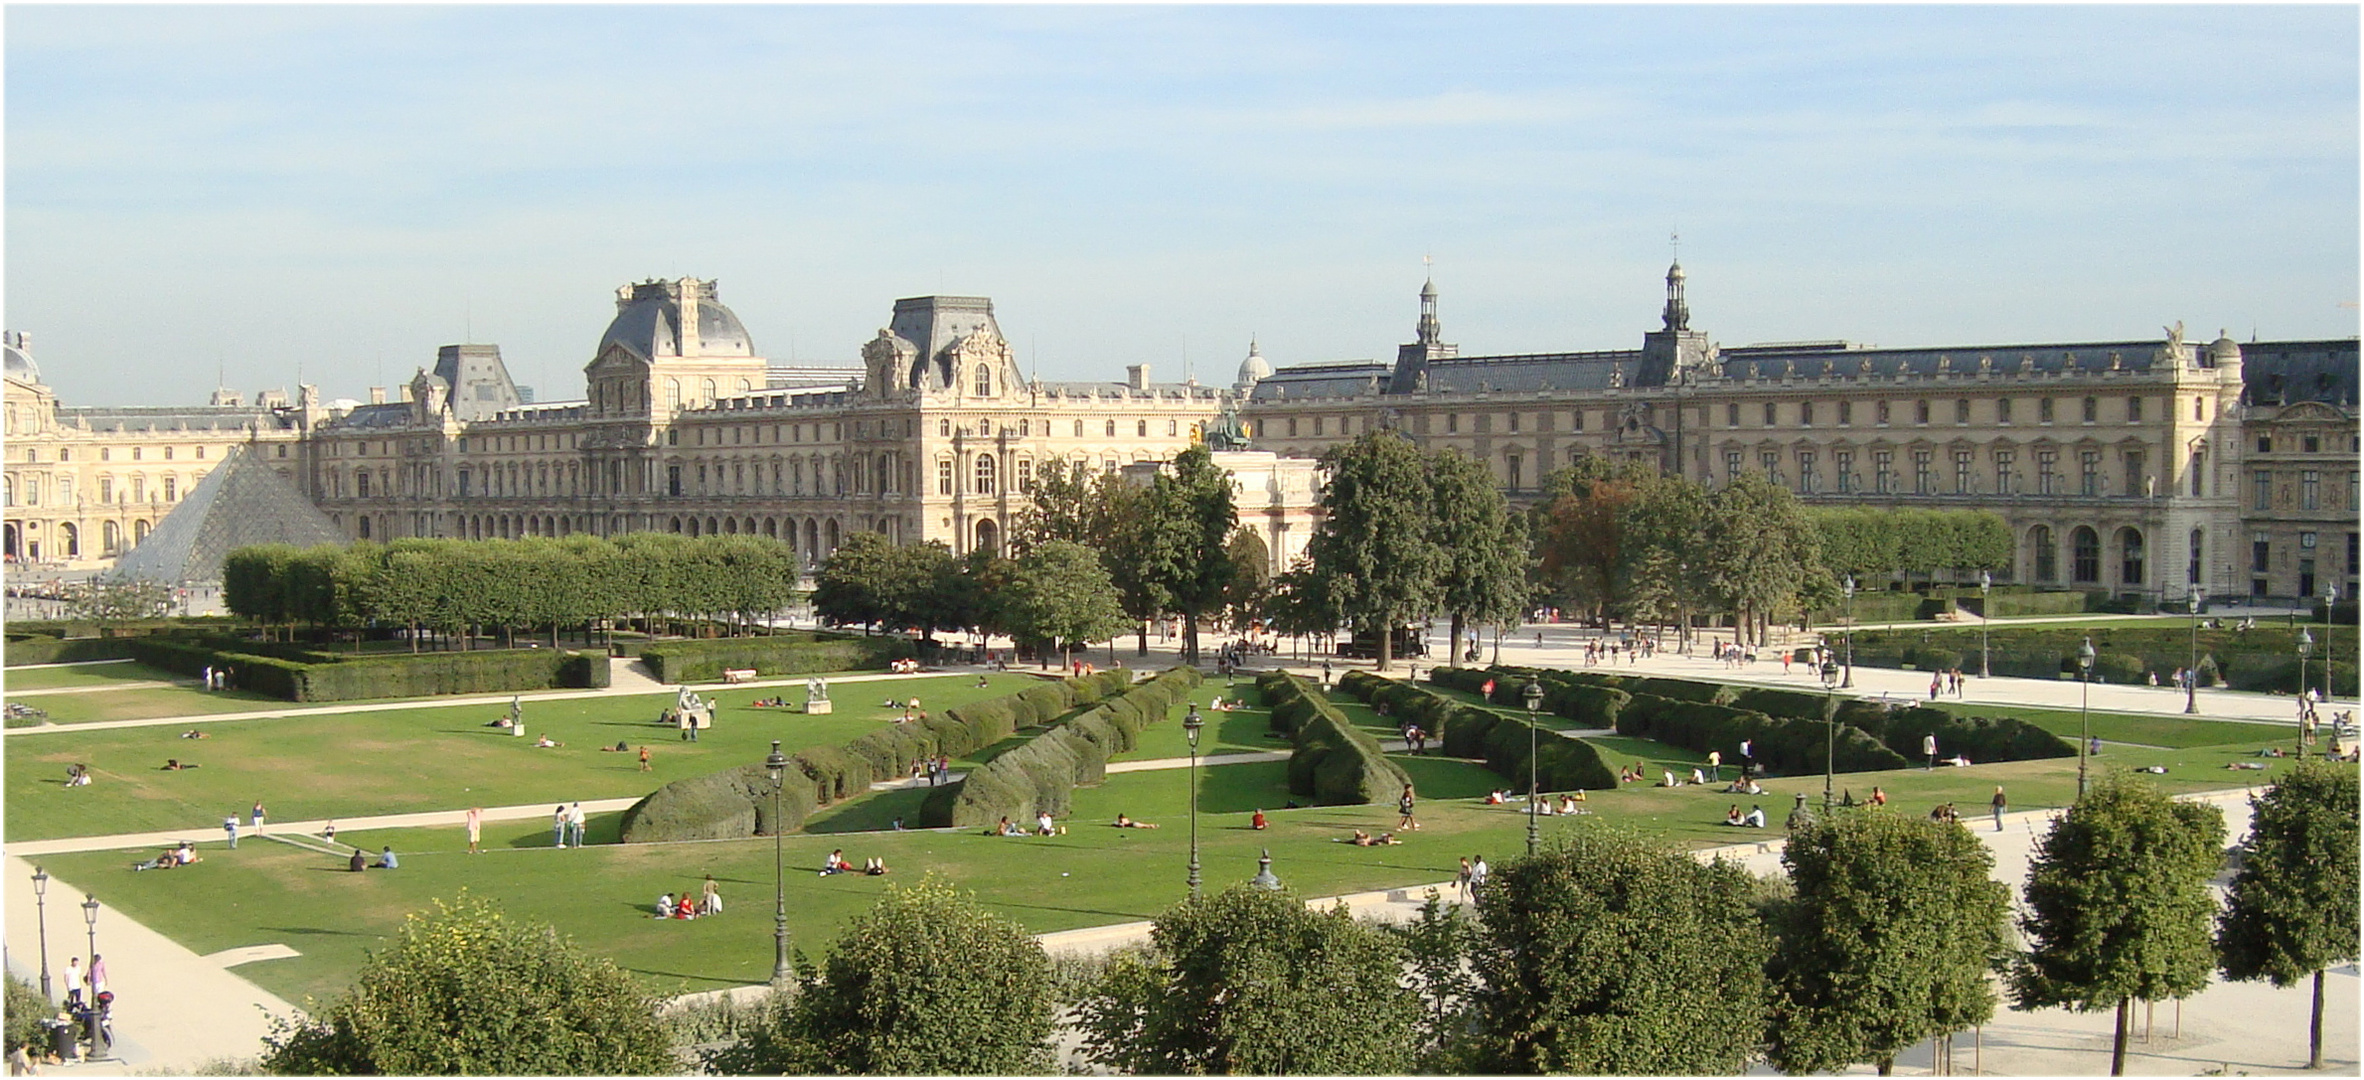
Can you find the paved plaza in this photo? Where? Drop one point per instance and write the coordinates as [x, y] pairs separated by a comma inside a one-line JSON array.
[[178, 1009]]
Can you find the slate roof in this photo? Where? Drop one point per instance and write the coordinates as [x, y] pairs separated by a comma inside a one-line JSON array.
[[2285, 372], [1344, 378], [130, 418], [242, 501], [1815, 359]]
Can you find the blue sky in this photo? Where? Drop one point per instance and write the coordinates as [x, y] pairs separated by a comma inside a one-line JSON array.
[[344, 188]]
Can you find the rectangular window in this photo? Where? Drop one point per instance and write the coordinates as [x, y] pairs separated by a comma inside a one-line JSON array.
[[2265, 444], [2260, 553], [1883, 472], [2261, 488], [1770, 461], [1514, 427], [1924, 476], [2089, 472], [2002, 410], [1292, 427], [2312, 444], [1843, 464], [673, 480], [1452, 424], [1576, 420], [2044, 410], [1920, 412], [1732, 414], [2134, 410], [1805, 414], [944, 477], [2047, 472], [2199, 469], [2092, 410], [1962, 482], [1962, 410], [1846, 413], [1808, 483], [2310, 490], [2005, 483], [1731, 463], [1880, 414], [1317, 426], [1772, 414], [2136, 482], [1511, 465]]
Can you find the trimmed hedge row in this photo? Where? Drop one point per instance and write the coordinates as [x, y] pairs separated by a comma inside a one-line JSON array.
[[777, 654], [1040, 775], [2262, 659], [967, 728], [1980, 738], [1561, 763], [25, 649], [726, 805], [420, 675], [1781, 744], [1333, 762]]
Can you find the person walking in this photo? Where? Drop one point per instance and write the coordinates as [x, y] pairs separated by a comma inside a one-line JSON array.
[[644, 765], [1929, 751], [558, 826], [1715, 765], [230, 826], [73, 982], [1403, 806], [475, 829], [2000, 804], [576, 819], [258, 814]]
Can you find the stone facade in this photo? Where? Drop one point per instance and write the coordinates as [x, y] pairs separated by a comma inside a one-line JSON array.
[[2119, 465]]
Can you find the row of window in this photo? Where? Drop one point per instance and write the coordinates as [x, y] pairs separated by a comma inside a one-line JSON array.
[[28, 490], [2262, 488], [107, 453], [1962, 475], [2306, 443], [2085, 555], [1809, 413], [69, 540]]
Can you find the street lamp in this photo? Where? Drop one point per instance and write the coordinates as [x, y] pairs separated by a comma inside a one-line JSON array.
[[777, 766], [2084, 707], [2191, 686], [2330, 597], [2306, 646], [1849, 588], [1534, 696], [1190, 726], [1264, 878], [1986, 582], [41, 919], [90, 908]]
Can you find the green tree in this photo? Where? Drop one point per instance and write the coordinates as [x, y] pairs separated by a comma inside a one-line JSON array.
[[1190, 516], [1376, 549], [118, 600], [2118, 908], [1250, 982], [857, 583], [1437, 946], [1484, 581], [1580, 532], [1604, 954], [1757, 548], [1059, 594], [2292, 910], [25, 1007], [467, 991], [1889, 936], [927, 982]]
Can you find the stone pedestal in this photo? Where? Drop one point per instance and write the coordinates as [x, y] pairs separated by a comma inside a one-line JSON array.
[[818, 708]]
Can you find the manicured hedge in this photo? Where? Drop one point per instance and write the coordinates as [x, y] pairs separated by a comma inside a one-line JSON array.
[[1982, 739], [1333, 762], [1781, 745], [25, 649], [1039, 775], [2263, 659], [965, 729], [777, 654], [727, 805], [261, 674], [835, 774], [1562, 763]]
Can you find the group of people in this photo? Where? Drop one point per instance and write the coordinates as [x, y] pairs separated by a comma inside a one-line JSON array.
[[937, 769], [1043, 826], [566, 823], [1754, 819], [1472, 878], [78, 774], [1415, 738], [836, 864], [904, 667], [1566, 803], [1945, 681], [1598, 652], [184, 855], [1364, 839], [360, 861], [708, 902]]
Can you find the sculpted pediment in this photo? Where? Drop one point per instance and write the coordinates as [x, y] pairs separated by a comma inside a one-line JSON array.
[[617, 359]]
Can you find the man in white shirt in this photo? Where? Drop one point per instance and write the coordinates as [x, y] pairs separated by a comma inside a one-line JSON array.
[[74, 982]]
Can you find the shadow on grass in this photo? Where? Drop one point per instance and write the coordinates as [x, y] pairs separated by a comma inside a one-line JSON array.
[[315, 931], [875, 812], [1446, 778]]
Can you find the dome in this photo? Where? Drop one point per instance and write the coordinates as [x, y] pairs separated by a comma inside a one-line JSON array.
[[2224, 348], [649, 321], [20, 357], [1675, 272], [1252, 370]]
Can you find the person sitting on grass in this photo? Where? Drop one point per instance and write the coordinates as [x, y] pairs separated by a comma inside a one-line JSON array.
[[1733, 817], [1878, 797], [1044, 826], [1123, 822], [1755, 818], [685, 908], [1698, 775], [1497, 798], [386, 860], [664, 906], [1568, 802], [835, 863], [1668, 779], [358, 863], [874, 867]]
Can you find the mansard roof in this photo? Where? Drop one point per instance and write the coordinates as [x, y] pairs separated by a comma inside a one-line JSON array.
[[2284, 372], [137, 418]]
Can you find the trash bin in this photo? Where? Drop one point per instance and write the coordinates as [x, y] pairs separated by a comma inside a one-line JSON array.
[[61, 1039]]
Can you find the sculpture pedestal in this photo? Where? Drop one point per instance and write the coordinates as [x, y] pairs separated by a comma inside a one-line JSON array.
[[817, 708]]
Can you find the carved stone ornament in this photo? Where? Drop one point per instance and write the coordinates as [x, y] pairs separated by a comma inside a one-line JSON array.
[[1616, 377]]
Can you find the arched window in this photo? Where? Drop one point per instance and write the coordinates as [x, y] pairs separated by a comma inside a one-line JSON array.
[[988, 537], [139, 532], [707, 386], [73, 540], [2130, 563], [2085, 555], [2046, 552], [1141, 429], [984, 381], [1079, 429], [110, 538], [984, 474], [362, 522], [1111, 429], [673, 395]]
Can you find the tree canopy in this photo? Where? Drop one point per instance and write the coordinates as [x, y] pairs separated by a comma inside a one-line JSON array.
[[1376, 551], [2292, 908]]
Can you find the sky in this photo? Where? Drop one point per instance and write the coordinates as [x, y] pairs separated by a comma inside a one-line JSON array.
[[328, 193]]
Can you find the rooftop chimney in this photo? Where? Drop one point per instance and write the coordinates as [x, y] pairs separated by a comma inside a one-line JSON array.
[[1137, 376], [377, 395]]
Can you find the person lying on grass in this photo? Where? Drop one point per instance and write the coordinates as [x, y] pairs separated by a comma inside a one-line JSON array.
[[1123, 822], [874, 866], [193, 733], [547, 743], [1364, 839]]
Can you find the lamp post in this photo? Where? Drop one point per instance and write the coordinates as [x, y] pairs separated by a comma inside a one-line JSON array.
[[777, 766], [2330, 597], [1848, 587], [1265, 879], [1534, 696], [1986, 583], [90, 910], [2191, 675], [41, 919], [1190, 726], [2306, 646], [2085, 709]]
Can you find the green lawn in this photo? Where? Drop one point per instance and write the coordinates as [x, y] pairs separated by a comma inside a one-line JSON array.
[[267, 892], [402, 760], [71, 675], [2139, 728]]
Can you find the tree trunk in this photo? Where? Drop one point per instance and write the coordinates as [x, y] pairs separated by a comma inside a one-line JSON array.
[[1190, 638], [1141, 633], [1887, 1066], [1387, 644], [1455, 659], [2315, 1026], [2118, 1042]]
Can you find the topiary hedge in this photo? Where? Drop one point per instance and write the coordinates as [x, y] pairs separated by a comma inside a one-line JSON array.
[[2263, 658], [1781, 744], [1333, 762], [1041, 774], [25, 649], [396, 675], [1982, 739], [727, 805], [777, 654], [1561, 763]]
